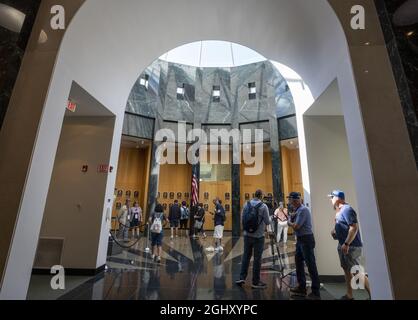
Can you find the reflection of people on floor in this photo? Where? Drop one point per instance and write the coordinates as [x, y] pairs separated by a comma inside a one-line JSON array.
[[180, 261], [153, 290], [198, 256], [171, 266], [219, 279]]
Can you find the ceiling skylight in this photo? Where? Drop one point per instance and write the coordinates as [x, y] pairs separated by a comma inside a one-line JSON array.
[[210, 54]]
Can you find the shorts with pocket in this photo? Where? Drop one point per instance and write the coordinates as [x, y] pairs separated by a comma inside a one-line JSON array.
[[156, 239], [351, 259], [174, 223], [219, 232]]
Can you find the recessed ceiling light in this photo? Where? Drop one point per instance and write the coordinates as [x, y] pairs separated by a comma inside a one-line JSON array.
[[291, 142], [367, 43], [410, 33]]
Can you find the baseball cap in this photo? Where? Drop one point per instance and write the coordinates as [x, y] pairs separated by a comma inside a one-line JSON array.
[[337, 193], [294, 195]]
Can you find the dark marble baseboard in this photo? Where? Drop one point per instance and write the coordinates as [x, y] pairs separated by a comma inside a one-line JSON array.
[[12, 49], [403, 54], [331, 279], [72, 271]]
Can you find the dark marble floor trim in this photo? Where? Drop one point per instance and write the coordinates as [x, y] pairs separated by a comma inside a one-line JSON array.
[[72, 271]]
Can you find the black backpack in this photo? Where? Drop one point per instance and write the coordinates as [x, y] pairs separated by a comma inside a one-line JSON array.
[[250, 219]]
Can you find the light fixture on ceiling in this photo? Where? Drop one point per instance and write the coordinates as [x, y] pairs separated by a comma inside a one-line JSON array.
[[410, 33], [291, 142], [11, 19], [43, 37]]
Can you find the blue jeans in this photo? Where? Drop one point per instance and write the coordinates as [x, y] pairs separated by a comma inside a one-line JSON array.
[[252, 244], [305, 246]]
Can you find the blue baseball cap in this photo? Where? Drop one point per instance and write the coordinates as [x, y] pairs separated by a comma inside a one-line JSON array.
[[294, 195], [337, 193]]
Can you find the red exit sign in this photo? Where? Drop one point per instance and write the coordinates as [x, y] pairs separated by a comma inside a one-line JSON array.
[[104, 168], [71, 106]]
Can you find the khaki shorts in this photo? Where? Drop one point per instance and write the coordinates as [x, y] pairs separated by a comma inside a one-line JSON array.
[[351, 259], [219, 232]]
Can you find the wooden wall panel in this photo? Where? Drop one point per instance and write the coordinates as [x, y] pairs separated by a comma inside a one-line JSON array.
[[216, 189], [292, 174], [132, 175], [174, 178], [263, 181]]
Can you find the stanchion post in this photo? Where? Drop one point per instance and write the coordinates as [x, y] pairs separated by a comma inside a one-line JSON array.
[[147, 243]]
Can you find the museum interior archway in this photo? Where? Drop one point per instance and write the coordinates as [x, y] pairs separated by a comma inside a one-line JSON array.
[[108, 44]]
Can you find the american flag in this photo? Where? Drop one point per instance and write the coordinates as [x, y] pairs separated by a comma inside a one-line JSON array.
[[195, 188]]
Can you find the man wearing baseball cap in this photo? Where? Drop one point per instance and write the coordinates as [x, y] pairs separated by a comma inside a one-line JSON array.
[[305, 245], [347, 233]]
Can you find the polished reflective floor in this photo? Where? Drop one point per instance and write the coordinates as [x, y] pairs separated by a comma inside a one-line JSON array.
[[187, 272]]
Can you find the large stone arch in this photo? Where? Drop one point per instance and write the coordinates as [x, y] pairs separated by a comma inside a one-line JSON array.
[[110, 42]]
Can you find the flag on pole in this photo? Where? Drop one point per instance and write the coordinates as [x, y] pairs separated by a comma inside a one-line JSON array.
[[195, 187]]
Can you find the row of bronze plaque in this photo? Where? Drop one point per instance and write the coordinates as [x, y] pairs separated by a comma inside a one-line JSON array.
[[128, 193]]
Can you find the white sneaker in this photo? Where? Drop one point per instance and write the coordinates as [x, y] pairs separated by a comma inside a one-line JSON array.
[[217, 249], [153, 257], [221, 248], [210, 249]]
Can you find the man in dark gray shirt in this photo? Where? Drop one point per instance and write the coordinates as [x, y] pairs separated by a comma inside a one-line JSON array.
[[305, 245], [254, 241]]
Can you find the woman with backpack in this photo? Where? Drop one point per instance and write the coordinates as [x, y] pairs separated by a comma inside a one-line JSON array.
[[156, 221], [184, 216]]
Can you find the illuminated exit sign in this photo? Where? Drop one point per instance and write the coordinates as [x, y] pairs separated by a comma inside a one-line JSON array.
[[71, 106]]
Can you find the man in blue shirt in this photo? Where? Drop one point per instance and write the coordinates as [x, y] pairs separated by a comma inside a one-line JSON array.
[[347, 233], [301, 222]]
